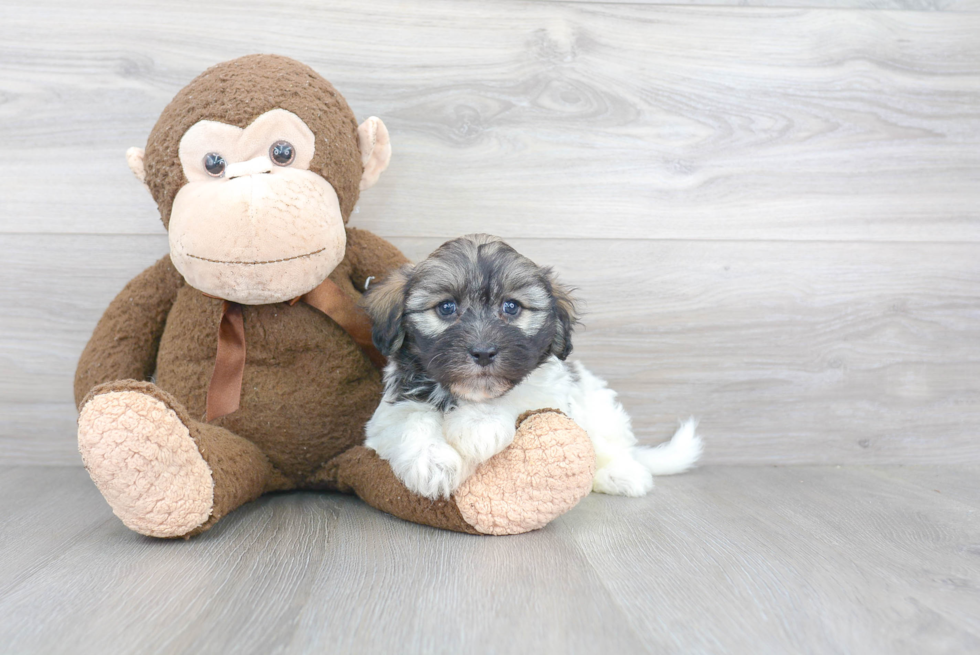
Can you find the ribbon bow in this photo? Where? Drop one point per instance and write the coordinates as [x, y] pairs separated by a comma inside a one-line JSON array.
[[225, 389]]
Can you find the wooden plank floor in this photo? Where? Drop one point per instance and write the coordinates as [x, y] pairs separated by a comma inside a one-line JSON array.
[[851, 358], [770, 210], [722, 560], [608, 120]]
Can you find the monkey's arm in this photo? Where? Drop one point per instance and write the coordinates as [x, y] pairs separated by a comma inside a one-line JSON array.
[[370, 256], [124, 344]]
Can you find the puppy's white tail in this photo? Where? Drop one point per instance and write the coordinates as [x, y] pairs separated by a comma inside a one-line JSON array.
[[674, 456]]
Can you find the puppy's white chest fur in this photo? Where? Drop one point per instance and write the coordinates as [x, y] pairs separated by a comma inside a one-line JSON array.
[[480, 430], [433, 452]]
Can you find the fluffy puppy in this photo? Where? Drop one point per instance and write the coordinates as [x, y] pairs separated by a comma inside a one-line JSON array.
[[476, 335]]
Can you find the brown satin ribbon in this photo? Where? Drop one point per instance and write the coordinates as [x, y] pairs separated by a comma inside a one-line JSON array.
[[332, 301], [225, 390]]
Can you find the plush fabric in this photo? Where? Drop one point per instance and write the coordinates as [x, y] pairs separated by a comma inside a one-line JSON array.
[[362, 472], [307, 388], [126, 339], [237, 92], [546, 472], [121, 435]]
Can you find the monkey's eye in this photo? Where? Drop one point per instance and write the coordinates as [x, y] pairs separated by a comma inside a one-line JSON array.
[[214, 164], [282, 153], [446, 308], [510, 307]]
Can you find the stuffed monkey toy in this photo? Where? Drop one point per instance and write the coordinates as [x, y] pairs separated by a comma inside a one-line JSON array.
[[240, 364]]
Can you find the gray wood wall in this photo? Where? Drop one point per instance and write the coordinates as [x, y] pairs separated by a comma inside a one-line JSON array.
[[771, 212]]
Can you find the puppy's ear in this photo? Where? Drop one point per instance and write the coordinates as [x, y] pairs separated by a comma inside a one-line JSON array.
[[566, 314], [384, 302]]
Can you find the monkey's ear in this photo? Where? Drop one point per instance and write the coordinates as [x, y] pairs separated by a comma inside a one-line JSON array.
[[134, 157], [565, 312], [384, 302], [375, 150]]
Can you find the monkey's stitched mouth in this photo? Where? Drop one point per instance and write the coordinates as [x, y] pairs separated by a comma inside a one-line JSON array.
[[269, 261]]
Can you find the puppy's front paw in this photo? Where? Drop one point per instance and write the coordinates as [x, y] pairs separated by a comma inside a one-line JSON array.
[[623, 476], [478, 433], [435, 470]]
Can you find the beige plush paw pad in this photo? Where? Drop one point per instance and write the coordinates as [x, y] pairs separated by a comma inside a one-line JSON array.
[[545, 472], [143, 460]]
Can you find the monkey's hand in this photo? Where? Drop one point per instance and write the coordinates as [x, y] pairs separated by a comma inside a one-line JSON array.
[[124, 343], [371, 258]]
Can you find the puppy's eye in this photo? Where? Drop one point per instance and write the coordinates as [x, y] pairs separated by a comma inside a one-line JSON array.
[[510, 307], [446, 308]]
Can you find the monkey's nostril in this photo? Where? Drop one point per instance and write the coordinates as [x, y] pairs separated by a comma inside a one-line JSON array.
[[483, 354]]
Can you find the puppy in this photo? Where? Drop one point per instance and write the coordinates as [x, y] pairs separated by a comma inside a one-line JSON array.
[[475, 335]]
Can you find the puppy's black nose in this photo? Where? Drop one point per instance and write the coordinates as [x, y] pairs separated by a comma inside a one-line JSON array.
[[483, 354]]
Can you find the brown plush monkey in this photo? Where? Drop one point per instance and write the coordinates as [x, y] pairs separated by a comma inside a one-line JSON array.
[[262, 378]]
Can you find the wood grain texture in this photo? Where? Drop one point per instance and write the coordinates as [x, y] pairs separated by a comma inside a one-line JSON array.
[[39, 433], [789, 352], [959, 484], [43, 512], [791, 560], [608, 120], [722, 560], [771, 213], [860, 5]]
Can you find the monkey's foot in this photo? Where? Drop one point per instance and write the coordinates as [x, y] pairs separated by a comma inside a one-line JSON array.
[[142, 458], [544, 473]]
